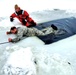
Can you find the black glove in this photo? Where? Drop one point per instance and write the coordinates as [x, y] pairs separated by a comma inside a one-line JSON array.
[[23, 21], [11, 19], [33, 23]]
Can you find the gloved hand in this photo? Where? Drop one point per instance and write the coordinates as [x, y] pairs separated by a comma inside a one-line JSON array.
[[23, 21], [33, 23], [8, 32], [9, 39], [11, 19]]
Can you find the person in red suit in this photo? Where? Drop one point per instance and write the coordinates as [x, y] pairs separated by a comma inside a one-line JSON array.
[[22, 16]]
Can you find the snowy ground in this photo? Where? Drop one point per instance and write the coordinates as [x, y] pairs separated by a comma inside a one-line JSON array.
[[53, 59]]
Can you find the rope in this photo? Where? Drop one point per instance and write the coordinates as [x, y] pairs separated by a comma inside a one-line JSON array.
[[4, 43]]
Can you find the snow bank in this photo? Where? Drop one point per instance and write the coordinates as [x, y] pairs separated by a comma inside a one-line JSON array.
[[20, 62]]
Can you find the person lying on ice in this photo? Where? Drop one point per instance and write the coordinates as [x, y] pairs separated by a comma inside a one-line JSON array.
[[22, 16], [23, 31], [27, 32]]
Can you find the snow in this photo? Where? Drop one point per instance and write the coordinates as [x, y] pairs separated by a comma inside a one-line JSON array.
[[31, 54], [20, 62]]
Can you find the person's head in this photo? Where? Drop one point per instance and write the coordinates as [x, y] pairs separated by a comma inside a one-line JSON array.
[[13, 30], [54, 27], [17, 8]]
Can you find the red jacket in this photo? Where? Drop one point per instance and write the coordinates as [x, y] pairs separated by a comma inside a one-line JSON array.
[[23, 15]]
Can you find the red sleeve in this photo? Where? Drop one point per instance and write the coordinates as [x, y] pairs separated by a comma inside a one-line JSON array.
[[13, 15]]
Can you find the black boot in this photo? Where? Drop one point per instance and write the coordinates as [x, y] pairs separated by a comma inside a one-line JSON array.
[[54, 27]]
